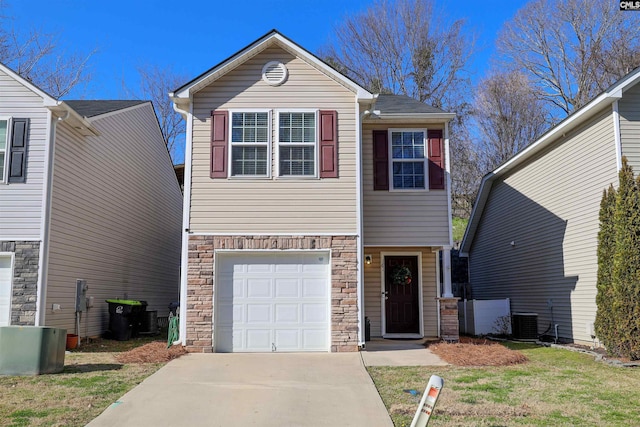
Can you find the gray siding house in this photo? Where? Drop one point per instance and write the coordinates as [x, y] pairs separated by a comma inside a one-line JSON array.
[[87, 192], [310, 204], [532, 236]]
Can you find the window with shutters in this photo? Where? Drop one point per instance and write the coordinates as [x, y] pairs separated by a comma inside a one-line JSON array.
[[297, 141], [408, 159], [250, 140], [4, 149]]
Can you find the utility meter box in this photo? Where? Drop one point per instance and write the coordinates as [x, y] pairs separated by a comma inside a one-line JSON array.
[[81, 295]]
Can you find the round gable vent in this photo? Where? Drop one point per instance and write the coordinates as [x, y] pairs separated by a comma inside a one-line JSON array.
[[274, 73]]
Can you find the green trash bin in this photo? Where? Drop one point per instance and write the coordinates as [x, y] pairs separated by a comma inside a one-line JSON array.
[[32, 350]]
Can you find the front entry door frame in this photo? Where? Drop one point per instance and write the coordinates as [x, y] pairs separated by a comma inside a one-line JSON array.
[[383, 288]]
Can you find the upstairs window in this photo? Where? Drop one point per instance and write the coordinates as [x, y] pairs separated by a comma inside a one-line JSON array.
[[297, 138], [408, 159], [4, 145], [250, 144]]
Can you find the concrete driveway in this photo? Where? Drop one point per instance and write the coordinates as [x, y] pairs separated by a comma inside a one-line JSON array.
[[318, 389]]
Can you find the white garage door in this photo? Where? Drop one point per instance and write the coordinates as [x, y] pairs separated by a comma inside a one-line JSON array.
[[272, 302]]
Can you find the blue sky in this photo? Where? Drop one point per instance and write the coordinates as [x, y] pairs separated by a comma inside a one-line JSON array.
[[192, 36]]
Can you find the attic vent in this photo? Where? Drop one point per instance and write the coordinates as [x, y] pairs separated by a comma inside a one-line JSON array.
[[274, 73]]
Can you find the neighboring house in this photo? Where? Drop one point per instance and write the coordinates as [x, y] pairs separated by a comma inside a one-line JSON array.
[[87, 192], [310, 203], [532, 236]]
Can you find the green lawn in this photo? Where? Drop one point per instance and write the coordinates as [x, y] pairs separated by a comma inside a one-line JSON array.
[[555, 388], [459, 226], [91, 381]]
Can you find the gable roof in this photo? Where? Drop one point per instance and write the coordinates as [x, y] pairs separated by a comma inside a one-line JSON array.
[[273, 37], [606, 98], [389, 106], [98, 107]]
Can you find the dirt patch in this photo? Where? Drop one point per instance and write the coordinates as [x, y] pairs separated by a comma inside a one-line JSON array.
[[154, 352], [477, 352]]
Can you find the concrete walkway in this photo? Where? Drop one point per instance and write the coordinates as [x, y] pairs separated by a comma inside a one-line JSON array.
[[276, 389], [381, 352]]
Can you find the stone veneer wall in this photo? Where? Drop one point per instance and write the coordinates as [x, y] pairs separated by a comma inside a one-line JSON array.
[[449, 326], [25, 280], [201, 283]]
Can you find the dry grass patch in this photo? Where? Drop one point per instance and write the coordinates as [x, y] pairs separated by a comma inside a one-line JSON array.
[[477, 352]]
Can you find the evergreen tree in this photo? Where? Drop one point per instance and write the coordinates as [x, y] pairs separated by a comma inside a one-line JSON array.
[[626, 265], [605, 323]]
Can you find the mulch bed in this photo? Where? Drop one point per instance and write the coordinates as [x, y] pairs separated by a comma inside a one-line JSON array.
[[154, 352], [477, 352]]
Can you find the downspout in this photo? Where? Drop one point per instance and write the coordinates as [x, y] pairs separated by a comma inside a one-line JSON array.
[[45, 217], [359, 237], [616, 134], [186, 212]]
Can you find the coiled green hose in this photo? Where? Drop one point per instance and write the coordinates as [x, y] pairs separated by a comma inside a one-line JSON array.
[[174, 330]]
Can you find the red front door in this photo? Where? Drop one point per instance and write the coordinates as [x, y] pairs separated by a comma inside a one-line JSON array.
[[402, 307]]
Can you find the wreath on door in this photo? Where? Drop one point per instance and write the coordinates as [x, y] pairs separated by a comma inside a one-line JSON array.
[[401, 275]]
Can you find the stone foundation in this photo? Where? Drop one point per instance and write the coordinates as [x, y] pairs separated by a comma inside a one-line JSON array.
[[449, 327], [25, 280], [201, 283]]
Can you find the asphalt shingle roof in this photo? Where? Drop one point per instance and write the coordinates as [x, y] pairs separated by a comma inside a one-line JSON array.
[[402, 104], [96, 108]]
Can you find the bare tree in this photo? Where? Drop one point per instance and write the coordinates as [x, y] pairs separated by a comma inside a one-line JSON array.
[[403, 47], [155, 84], [509, 116], [36, 56], [571, 49]]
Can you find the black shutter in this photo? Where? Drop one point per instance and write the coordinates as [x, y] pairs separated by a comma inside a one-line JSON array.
[[18, 151]]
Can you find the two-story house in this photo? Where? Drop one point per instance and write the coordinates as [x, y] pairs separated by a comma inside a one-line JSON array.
[[88, 199], [310, 204]]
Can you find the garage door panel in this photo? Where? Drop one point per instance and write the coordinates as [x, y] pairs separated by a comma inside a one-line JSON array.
[[280, 302], [314, 288], [258, 313], [259, 288], [314, 313], [287, 288], [287, 313]]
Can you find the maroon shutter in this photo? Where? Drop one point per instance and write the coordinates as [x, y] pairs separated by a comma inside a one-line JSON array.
[[380, 160], [328, 144], [436, 160], [219, 143]]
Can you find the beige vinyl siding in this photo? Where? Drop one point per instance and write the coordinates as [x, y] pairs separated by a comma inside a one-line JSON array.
[[274, 205], [629, 110], [401, 218], [115, 219], [548, 208], [21, 203], [373, 289]]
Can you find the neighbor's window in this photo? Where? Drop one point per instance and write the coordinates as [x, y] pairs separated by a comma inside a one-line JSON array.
[[408, 159], [297, 144], [249, 144], [4, 145]]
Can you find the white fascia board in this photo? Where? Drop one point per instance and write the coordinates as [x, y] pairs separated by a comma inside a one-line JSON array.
[[259, 46], [447, 117]]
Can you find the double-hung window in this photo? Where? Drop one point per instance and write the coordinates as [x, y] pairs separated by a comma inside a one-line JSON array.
[[4, 149], [408, 164], [297, 138], [250, 138]]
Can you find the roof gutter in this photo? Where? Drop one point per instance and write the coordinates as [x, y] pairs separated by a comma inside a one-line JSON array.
[[71, 116]]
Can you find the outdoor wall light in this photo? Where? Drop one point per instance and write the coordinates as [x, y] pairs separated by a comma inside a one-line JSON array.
[[367, 259], [513, 243]]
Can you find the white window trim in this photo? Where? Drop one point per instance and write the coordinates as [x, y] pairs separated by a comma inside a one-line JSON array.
[[269, 143], [4, 178], [12, 257], [316, 156], [425, 160]]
